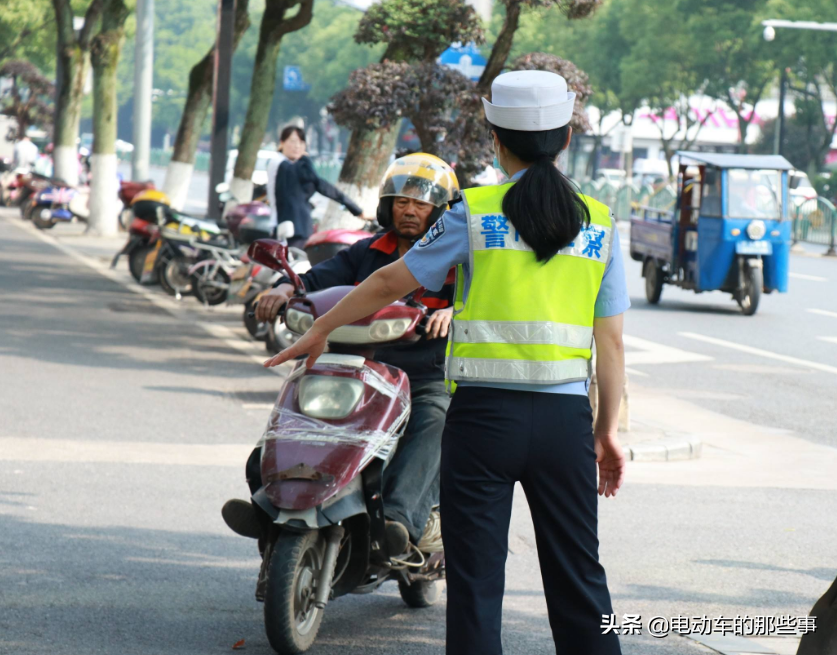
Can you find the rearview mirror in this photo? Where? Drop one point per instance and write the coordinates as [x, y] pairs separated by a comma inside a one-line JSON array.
[[274, 255]]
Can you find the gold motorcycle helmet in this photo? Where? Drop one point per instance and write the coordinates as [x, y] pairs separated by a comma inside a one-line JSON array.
[[420, 176], [151, 205]]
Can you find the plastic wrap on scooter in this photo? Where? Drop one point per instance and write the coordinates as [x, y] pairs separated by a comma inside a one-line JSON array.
[[306, 460]]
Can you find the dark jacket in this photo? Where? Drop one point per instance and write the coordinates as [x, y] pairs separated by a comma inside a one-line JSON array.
[[296, 182], [424, 360]]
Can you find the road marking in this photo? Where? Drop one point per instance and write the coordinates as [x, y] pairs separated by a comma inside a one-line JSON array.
[[255, 351], [34, 449], [651, 352], [761, 353], [810, 278], [828, 339], [639, 374], [258, 405], [822, 312]]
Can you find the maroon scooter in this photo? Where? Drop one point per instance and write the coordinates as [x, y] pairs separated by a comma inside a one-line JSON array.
[[330, 435]]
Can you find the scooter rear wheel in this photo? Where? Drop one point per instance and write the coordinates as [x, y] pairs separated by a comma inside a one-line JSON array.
[[290, 617], [421, 593], [42, 223], [174, 275]]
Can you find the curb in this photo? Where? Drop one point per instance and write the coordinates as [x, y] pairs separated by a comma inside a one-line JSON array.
[[666, 449]]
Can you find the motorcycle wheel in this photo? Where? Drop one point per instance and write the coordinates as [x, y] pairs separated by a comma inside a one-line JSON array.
[[257, 329], [421, 593], [174, 275], [278, 337], [42, 223], [136, 264], [212, 291], [26, 209], [290, 618]]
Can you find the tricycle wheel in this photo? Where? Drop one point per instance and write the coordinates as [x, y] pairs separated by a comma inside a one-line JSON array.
[[421, 593], [653, 273], [290, 617], [749, 298]]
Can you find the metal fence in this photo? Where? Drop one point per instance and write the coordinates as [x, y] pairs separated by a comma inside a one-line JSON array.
[[626, 199], [815, 221]]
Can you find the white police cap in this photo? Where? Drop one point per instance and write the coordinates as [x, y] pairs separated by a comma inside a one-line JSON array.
[[529, 101]]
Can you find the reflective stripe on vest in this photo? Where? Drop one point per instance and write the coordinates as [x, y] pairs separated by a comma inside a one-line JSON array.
[[524, 320]]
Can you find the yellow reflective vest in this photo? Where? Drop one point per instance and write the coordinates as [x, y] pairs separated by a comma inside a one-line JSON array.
[[525, 321]]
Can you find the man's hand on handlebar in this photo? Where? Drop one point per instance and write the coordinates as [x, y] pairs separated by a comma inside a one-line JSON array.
[[270, 303], [438, 323]]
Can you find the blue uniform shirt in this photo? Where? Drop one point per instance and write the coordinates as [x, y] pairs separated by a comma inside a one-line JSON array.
[[446, 246]]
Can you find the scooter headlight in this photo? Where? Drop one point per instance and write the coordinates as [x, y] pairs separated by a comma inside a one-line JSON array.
[[384, 330], [756, 230], [328, 396], [298, 322]]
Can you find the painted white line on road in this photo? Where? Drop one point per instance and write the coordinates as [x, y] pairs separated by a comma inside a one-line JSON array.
[[650, 352], [810, 278], [254, 351], [639, 374], [761, 353], [822, 312], [33, 449], [258, 405], [828, 339]]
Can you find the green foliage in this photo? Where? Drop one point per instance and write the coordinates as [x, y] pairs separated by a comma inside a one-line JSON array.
[[28, 101], [419, 30], [27, 32]]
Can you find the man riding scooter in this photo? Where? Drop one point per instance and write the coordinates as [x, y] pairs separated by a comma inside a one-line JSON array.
[[414, 193]]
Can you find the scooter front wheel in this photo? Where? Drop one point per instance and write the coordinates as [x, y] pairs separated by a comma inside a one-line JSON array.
[[174, 276], [290, 617], [136, 264]]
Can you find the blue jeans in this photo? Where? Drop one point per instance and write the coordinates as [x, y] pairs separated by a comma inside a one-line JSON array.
[[411, 480]]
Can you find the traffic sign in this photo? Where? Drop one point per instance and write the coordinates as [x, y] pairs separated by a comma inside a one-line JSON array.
[[292, 79], [467, 59]]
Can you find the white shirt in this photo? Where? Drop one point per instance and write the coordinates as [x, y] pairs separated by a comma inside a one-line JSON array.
[[26, 154]]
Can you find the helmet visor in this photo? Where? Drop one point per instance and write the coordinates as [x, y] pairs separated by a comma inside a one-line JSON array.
[[422, 178]]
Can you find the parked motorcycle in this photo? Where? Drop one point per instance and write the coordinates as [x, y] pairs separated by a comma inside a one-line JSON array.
[[51, 206], [330, 434], [127, 192], [149, 209]]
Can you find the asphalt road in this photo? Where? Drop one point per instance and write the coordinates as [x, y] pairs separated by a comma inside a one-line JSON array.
[[125, 427]]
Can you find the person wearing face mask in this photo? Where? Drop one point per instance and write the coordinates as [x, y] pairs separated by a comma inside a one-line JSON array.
[[415, 191], [291, 181], [539, 280]]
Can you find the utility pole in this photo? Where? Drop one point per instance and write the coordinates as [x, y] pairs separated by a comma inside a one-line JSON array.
[[143, 87], [779, 136], [221, 101]]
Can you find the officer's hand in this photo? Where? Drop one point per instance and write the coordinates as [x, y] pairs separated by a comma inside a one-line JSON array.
[[611, 461], [439, 323], [312, 343], [271, 302]]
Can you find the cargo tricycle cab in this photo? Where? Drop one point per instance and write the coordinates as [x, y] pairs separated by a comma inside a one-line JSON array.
[[729, 229]]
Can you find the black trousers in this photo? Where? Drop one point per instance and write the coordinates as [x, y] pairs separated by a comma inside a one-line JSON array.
[[494, 438]]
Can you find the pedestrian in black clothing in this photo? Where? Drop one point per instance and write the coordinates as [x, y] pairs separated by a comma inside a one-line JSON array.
[[292, 181]]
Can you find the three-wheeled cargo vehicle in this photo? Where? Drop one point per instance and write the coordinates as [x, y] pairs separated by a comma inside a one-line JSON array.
[[729, 229]]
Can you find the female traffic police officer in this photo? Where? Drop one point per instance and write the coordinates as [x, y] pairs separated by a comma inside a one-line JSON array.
[[540, 277]]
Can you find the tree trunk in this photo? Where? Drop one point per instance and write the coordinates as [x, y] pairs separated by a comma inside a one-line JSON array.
[[104, 54], [502, 48], [73, 69], [367, 158], [274, 26], [198, 102]]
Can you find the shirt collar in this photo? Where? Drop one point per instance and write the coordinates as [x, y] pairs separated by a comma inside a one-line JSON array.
[[518, 175], [386, 244]]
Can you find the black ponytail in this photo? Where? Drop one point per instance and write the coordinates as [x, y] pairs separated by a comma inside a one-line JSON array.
[[543, 206]]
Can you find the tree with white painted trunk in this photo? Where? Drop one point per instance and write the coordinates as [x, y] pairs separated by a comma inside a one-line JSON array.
[[413, 31], [73, 59], [275, 25], [198, 102], [105, 49]]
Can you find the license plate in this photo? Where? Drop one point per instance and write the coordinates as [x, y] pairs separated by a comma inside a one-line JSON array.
[[753, 248]]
